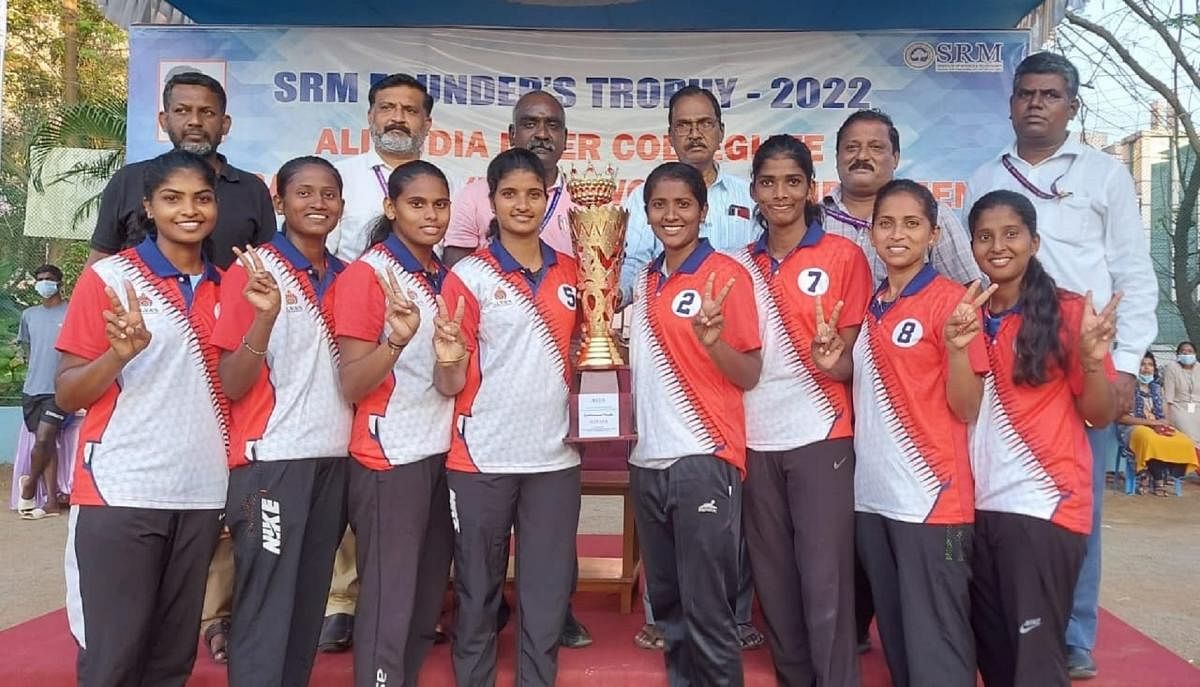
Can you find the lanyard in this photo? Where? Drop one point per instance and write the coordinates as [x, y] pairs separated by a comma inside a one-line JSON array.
[[381, 179], [1054, 193], [550, 208], [847, 218]]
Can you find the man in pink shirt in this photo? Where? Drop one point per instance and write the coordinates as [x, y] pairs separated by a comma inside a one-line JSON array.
[[540, 125]]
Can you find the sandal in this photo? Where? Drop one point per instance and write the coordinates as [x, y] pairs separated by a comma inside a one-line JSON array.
[[650, 638], [750, 638], [37, 514], [26, 507], [219, 629]]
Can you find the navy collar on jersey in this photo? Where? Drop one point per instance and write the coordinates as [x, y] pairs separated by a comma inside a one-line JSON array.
[[690, 264], [401, 254], [993, 321], [333, 266], [162, 268], [510, 264], [919, 281], [811, 237]]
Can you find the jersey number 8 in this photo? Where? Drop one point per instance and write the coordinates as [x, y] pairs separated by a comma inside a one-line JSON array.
[[907, 333]]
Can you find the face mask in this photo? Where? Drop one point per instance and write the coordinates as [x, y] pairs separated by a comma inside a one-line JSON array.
[[1186, 358], [45, 288], [1145, 379]]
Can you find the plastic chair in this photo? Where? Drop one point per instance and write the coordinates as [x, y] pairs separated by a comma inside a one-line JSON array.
[[1130, 476]]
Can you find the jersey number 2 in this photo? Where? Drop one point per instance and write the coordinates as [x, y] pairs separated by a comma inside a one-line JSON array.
[[684, 305]]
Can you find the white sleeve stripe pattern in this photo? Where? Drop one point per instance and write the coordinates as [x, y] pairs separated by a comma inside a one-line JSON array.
[[179, 319], [676, 387], [892, 420]]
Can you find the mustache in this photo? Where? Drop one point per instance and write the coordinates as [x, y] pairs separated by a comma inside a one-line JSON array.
[[397, 127], [862, 164], [541, 145]]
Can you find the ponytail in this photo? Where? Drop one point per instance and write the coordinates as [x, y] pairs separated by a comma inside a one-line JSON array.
[[1039, 344], [379, 230]]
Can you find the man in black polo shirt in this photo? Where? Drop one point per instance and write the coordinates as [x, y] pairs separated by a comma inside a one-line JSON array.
[[194, 118]]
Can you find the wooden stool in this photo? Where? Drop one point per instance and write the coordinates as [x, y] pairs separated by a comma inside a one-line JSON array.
[[612, 574]]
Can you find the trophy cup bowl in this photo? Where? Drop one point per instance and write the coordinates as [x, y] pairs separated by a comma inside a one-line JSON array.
[[598, 234], [601, 399]]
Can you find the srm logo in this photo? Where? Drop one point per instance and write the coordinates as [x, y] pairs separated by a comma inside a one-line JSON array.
[[955, 56]]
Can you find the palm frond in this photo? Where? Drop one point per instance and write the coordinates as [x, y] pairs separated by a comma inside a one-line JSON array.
[[96, 125], [100, 169], [85, 210]]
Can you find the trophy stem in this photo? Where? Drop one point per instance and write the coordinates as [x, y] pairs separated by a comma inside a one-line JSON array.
[[599, 350]]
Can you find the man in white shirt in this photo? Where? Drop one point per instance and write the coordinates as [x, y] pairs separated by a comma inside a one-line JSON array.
[[868, 152], [696, 132], [400, 116], [1092, 239], [539, 124]]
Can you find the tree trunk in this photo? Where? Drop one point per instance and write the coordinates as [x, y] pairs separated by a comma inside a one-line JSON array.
[[1185, 270], [55, 248]]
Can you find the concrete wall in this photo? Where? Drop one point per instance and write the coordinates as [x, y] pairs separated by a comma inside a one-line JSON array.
[[10, 425]]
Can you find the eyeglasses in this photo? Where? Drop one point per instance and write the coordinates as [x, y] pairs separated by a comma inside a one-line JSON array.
[[704, 126]]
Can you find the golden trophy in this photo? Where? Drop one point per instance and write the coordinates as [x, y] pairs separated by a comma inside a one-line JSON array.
[[601, 394]]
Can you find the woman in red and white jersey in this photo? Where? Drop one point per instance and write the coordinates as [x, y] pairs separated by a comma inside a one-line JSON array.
[[150, 474], [387, 304], [1051, 372], [800, 463], [694, 350], [286, 505], [918, 379], [503, 351]]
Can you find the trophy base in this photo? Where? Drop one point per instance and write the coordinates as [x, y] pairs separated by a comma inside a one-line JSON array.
[[601, 406]]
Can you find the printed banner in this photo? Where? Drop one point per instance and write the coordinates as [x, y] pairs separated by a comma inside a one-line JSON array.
[[301, 91]]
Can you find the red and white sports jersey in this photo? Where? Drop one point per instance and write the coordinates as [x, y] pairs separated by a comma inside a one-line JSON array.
[[910, 448], [1029, 450], [685, 405], [512, 415], [404, 419], [297, 388], [794, 403], [158, 436]]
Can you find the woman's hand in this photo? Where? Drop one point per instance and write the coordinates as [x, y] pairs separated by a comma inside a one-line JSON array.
[[448, 344], [964, 324], [262, 291], [124, 326], [1096, 331], [710, 321], [401, 315], [827, 347]]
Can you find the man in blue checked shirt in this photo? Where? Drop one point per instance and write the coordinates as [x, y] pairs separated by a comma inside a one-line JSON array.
[[696, 131]]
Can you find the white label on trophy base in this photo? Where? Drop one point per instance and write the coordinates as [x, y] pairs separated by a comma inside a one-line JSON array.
[[599, 416]]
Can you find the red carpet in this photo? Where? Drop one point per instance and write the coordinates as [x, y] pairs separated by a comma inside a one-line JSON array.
[[42, 652]]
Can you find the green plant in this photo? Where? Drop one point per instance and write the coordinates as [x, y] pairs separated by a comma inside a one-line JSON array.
[[96, 125]]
